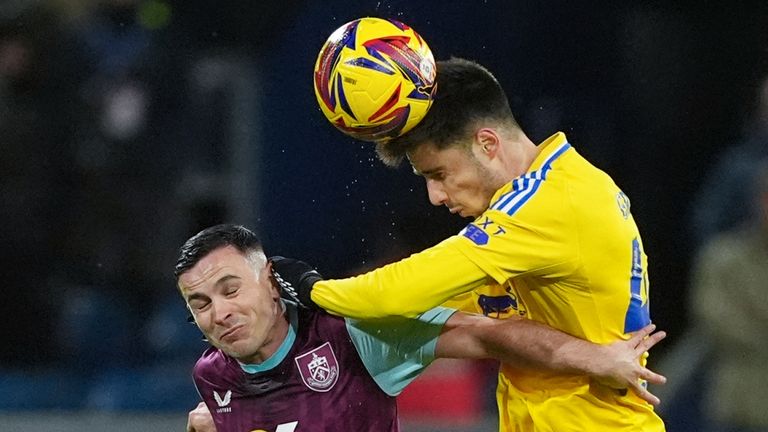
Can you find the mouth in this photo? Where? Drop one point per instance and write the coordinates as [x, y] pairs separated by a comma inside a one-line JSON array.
[[231, 334]]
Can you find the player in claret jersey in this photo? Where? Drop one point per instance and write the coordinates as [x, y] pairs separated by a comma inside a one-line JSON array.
[[279, 368]]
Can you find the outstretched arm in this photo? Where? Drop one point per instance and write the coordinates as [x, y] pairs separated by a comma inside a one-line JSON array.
[[528, 343], [405, 288]]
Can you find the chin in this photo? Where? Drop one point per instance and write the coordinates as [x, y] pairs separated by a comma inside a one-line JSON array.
[[235, 349], [243, 356]]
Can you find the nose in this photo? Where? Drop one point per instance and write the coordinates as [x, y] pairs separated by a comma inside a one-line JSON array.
[[437, 195], [221, 313]]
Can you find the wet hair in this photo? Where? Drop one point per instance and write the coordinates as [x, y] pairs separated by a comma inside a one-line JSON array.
[[466, 94], [215, 237]]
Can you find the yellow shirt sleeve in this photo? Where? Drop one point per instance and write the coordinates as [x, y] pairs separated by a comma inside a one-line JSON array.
[[537, 241], [405, 288]]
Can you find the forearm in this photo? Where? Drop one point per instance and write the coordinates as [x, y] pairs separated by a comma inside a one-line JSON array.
[[517, 341], [406, 288], [530, 344]]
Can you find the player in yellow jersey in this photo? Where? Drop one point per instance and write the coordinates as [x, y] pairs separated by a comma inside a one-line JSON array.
[[553, 240]]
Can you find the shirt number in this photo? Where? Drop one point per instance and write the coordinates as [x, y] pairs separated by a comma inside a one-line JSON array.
[[638, 315]]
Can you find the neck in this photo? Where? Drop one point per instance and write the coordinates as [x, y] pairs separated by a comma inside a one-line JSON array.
[[521, 154]]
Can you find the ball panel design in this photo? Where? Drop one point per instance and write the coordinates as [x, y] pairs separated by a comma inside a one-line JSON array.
[[374, 78]]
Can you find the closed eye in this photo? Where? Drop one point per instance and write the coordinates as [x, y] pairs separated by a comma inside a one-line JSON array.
[[436, 173], [199, 305]]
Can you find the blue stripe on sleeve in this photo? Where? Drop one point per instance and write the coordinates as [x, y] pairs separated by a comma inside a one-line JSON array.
[[525, 186]]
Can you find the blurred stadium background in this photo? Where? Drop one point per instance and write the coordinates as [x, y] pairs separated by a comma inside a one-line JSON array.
[[128, 125]]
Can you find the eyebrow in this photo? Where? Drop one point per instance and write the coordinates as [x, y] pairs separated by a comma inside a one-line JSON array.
[[219, 283]]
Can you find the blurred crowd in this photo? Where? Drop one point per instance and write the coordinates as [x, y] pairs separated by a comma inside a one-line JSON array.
[[729, 285], [91, 95]]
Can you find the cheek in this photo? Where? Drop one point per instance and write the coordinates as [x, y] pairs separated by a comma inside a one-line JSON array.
[[204, 322], [462, 188], [264, 313]]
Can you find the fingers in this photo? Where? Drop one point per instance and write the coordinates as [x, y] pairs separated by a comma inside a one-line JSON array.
[[652, 377], [643, 340], [648, 343], [639, 335], [640, 342], [645, 394]]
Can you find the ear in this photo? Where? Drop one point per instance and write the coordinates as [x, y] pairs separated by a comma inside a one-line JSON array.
[[274, 287], [487, 141]]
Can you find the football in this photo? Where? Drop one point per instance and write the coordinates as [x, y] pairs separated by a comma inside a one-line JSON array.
[[374, 78]]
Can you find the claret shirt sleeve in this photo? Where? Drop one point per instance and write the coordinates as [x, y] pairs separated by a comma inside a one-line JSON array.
[[404, 288]]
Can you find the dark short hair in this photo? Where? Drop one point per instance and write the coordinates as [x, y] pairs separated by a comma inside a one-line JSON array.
[[466, 92], [212, 238]]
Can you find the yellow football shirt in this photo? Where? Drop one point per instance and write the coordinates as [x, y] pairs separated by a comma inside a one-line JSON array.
[[557, 245]]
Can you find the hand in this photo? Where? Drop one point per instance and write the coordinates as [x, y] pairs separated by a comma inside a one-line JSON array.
[[619, 366], [296, 279], [200, 419]]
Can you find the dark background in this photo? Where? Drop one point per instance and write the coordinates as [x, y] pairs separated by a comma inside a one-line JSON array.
[[651, 92]]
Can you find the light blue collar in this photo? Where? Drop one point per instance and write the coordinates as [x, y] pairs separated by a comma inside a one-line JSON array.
[[285, 347]]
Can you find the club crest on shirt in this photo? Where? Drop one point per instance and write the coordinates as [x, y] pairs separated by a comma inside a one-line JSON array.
[[319, 368], [623, 202]]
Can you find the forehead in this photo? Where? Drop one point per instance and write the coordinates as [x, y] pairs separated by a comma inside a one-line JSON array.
[[218, 263]]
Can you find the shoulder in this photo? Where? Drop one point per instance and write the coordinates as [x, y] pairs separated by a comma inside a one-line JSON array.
[[210, 364], [320, 320], [320, 324], [543, 180]]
